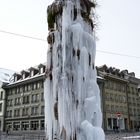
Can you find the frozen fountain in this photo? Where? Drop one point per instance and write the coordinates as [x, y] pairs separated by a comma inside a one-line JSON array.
[[72, 96]]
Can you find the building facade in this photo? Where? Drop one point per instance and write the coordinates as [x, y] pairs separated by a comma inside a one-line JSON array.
[[133, 101], [115, 111], [2, 106], [5, 77], [121, 100], [24, 106], [25, 100], [22, 101]]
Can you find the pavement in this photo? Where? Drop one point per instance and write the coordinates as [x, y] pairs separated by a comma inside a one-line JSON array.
[[123, 136], [40, 136]]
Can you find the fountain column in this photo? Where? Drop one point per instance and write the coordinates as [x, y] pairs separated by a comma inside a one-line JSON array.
[[72, 96]]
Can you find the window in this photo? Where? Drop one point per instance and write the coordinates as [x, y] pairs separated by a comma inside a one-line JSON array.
[[134, 111], [109, 123], [15, 90], [41, 70], [123, 88], [34, 125], [17, 101], [132, 90], [0, 107], [121, 108], [10, 92], [117, 109], [25, 111], [0, 125], [15, 78], [42, 96], [124, 99], [129, 100], [107, 84], [130, 111], [42, 110], [34, 110], [25, 125], [26, 99], [34, 86], [42, 125], [18, 90], [16, 126], [119, 87], [107, 96], [120, 98], [16, 112], [112, 108], [107, 107], [10, 102], [29, 87], [111, 84], [114, 122], [111, 97], [23, 76], [35, 98], [41, 84], [9, 125], [1, 95], [38, 85], [116, 98], [26, 88], [9, 113]]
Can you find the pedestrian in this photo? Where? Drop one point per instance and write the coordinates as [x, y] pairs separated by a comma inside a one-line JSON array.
[[7, 131]]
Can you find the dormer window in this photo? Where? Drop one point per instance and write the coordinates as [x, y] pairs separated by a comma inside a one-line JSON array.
[[17, 77], [41, 68], [33, 71], [24, 74]]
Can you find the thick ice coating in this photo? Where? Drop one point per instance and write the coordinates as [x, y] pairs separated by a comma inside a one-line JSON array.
[[72, 96]]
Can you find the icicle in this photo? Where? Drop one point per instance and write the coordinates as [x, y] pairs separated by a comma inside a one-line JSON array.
[[72, 96]]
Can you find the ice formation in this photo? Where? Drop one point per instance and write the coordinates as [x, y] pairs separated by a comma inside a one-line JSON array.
[[72, 96]]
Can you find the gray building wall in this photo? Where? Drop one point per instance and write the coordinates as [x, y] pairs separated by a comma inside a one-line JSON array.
[[25, 101]]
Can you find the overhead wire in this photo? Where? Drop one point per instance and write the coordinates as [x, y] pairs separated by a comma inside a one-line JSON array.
[[119, 54], [45, 40], [21, 35]]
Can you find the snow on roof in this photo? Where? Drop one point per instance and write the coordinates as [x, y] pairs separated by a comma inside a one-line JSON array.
[[5, 75], [99, 77], [26, 79]]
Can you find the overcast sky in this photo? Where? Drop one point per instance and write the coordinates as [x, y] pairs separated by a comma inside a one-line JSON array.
[[118, 32]]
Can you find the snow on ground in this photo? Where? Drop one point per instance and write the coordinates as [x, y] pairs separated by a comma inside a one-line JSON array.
[[132, 137]]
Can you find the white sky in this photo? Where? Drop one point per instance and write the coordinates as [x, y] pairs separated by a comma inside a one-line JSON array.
[[118, 31]]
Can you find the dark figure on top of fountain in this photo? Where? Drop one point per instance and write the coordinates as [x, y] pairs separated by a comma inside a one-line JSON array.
[[88, 5]]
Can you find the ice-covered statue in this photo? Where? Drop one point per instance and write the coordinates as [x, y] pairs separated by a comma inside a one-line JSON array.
[[72, 96]]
